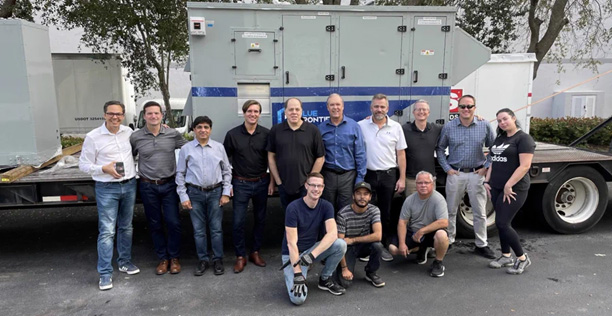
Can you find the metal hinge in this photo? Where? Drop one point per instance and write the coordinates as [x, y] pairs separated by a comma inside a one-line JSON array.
[[399, 71], [402, 28], [445, 28], [443, 76], [330, 77], [330, 28]]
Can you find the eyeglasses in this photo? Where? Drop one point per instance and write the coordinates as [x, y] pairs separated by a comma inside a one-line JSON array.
[[424, 183], [421, 110], [466, 106], [111, 114], [316, 186]]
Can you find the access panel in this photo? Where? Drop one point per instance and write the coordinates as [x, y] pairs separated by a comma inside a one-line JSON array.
[[254, 53]]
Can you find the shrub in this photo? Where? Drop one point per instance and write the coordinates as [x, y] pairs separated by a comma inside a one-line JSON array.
[[565, 130]]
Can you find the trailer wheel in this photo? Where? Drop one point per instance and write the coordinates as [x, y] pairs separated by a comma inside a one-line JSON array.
[[576, 201], [465, 218]]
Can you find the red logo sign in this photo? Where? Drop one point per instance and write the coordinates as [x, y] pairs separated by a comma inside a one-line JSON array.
[[454, 100]]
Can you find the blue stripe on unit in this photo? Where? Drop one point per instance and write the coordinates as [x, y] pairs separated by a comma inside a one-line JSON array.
[[324, 91], [213, 92]]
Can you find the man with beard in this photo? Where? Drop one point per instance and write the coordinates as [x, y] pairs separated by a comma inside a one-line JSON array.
[[359, 226]]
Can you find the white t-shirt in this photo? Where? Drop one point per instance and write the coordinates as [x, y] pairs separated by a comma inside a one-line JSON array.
[[383, 143]]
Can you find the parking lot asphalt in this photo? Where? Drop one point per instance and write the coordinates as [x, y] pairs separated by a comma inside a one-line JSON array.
[[48, 267]]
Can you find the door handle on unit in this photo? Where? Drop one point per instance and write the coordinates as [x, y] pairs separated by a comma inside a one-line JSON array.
[[343, 70], [415, 76], [286, 77]]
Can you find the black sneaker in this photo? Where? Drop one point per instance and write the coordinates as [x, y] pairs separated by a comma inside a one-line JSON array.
[[485, 252], [437, 269], [331, 286], [202, 266], [374, 279], [422, 255], [386, 256], [218, 267]]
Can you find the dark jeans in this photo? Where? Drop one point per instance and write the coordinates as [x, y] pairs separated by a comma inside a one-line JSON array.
[[206, 213], [339, 188], [288, 198], [504, 213], [360, 250], [243, 192], [161, 205], [383, 188]]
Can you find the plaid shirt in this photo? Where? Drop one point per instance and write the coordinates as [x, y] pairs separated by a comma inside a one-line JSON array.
[[465, 144]]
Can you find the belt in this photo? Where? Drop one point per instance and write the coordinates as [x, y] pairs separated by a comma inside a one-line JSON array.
[[336, 171], [158, 182], [126, 181], [467, 170], [384, 171], [263, 176], [212, 187]]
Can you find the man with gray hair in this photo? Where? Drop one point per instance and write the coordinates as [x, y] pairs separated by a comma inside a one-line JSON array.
[[422, 224], [421, 139]]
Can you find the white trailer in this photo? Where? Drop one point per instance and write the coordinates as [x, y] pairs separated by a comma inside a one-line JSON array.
[[83, 83]]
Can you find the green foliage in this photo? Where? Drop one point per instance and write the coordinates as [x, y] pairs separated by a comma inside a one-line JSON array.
[[563, 131], [188, 136], [68, 141], [21, 9], [492, 22]]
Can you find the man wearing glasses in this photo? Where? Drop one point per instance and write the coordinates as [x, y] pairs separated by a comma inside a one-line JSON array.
[[305, 219], [107, 156], [422, 224], [421, 139], [466, 166]]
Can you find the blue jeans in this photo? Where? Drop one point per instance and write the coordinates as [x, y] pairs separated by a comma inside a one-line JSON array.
[[243, 192], [332, 257], [286, 198], [161, 205], [206, 212], [115, 203]]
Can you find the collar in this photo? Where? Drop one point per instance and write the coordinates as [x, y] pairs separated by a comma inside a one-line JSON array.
[[459, 121], [329, 122], [105, 130], [196, 143], [416, 128], [162, 130], [243, 129], [301, 128], [386, 122]]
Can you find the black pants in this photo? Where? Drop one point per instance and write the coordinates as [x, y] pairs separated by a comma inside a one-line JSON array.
[[383, 188], [504, 213], [374, 250]]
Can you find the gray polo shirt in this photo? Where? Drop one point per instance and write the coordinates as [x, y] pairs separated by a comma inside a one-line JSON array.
[[156, 159]]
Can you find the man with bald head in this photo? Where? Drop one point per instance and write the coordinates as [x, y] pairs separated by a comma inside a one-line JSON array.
[[345, 156]]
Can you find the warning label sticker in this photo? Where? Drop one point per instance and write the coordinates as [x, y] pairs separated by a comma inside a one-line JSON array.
[[254, 35], [427, 52], [429, 21]]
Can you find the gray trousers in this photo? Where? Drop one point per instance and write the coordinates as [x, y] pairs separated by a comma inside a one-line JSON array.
[[456, 186], [339, 188]]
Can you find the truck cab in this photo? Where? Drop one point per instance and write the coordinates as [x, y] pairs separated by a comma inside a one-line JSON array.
[[183, 122]]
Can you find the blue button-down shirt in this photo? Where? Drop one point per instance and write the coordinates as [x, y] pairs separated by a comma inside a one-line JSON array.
[[465, 144], [203, 166], [344, 146]]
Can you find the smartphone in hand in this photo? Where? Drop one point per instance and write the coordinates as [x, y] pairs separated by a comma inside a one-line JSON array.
[[119, 168]]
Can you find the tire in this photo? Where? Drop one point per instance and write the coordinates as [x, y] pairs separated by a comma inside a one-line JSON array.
[[575, 201], [465, 219]]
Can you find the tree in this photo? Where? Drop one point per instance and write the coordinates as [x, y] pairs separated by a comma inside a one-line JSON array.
[[16, 9], [148, 34]]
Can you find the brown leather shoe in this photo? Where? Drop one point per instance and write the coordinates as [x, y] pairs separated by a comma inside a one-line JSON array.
[[175, 266], [256, 259], [162, 267], [239, 265]]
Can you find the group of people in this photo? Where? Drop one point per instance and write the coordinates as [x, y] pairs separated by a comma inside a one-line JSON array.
[[336, 182]]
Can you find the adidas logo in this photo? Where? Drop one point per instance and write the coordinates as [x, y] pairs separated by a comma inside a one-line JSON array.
[[499, 159], [497, 150]]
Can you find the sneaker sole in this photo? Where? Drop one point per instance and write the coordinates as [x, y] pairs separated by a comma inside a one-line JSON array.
[[376, 285], [105, 287], [438, 275], [501, 266], [130, 272], [330, 291], [387, 259], [219, 273], [198, 273], [516, 272], [364, 259]]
